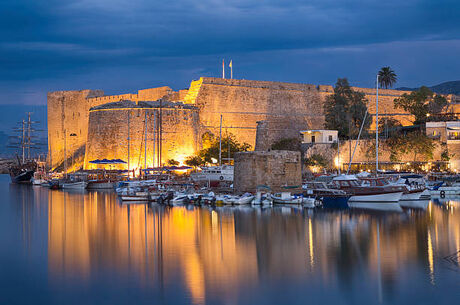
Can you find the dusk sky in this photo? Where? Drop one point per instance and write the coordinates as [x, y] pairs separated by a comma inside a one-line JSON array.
[[125, 45]]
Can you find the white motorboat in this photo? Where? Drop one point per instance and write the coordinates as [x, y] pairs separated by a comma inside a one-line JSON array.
[[244, 199], [179, 199], [74, 185], [226, 199], [286, 198], [262, 199], [214, 175], [381, 202], [308, 202], [135, 196], [446, 190]]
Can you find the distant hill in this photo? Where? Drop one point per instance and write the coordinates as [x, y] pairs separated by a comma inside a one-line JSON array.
[[452, 87]]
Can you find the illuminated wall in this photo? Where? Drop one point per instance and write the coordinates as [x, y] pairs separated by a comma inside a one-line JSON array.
[[108, 133], [68, 113]]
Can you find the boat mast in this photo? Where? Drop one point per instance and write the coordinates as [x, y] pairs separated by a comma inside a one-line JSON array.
[[377, 127], [129, 144], [145, 140], [338, 152], [154, 139], [23, 143], [29, 123], [160, 134], [65, 152], [220, 142]]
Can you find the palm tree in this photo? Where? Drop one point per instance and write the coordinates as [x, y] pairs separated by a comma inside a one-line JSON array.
[[387, 77]]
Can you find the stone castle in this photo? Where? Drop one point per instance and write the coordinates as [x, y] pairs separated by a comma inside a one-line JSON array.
[[163, 124]]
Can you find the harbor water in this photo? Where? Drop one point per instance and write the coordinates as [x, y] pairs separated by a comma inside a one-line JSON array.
[[64, 247]]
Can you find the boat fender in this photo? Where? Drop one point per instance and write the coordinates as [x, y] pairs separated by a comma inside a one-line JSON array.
[[443, 194], [221, 178]]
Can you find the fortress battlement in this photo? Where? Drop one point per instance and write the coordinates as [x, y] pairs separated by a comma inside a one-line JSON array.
[[187, 114]]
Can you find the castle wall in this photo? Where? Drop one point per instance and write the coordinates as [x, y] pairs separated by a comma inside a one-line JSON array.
[[242, 103], [386, 103], [108, 133], [275, 169], [68, 111]]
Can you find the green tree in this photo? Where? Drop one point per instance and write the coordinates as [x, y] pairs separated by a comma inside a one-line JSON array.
[[316, 160], [415, 143], [344, 110], [387, 77], [194, 161], [423, 104], [389, 127], [292, 144], [172, 162], [229, 147]]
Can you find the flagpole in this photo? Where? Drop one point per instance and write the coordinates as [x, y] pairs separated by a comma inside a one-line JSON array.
[[231, 69], [223, 68]]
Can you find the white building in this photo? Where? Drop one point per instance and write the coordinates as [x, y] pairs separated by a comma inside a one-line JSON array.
[[319, 136]]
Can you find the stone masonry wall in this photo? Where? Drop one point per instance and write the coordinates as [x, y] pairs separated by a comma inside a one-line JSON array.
[[275, 169], [386, 103], [108, 133], [68, 111], [242, 103], [275, 129]]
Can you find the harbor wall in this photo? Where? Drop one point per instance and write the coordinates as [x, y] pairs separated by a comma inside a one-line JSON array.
[[108, 133], [275, 169]]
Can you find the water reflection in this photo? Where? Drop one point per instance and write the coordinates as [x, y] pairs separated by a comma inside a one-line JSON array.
[[224, 253]]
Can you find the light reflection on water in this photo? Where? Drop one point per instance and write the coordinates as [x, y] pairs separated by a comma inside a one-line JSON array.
[[151, 253]]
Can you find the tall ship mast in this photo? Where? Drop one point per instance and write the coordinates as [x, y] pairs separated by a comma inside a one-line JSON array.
[[23, 170]]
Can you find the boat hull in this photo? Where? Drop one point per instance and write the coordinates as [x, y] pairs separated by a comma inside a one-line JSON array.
[[335, 202], [414, 204], [74, 185], [380, 202], [134, 198], [24, 177], [422, 195], [100, 185]]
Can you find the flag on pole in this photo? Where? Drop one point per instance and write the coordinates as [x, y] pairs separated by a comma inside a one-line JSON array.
[[223, 69], [231, 68]]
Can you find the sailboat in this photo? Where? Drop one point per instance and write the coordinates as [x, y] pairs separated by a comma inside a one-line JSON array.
[[23, 171]]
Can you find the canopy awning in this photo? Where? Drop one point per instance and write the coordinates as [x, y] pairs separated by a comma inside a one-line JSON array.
[[107, 161]]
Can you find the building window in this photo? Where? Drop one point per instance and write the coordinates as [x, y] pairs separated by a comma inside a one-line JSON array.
[[454, 135], [313, 139], [330, 138]]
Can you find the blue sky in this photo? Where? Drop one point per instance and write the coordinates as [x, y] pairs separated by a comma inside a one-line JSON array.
[[125, 45]]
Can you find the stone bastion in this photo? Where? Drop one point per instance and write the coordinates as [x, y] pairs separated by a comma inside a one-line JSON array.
[[172, 128]]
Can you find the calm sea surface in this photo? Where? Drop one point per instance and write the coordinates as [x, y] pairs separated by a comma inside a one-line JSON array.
[[61, 247]]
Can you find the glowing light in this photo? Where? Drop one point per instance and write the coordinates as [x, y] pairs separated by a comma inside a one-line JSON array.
[[214, 160], [430, 258], [310, 243]]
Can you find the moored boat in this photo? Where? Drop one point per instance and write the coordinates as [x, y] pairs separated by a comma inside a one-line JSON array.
[[286, 198], [372, 193], [74, 185], [100, 185]]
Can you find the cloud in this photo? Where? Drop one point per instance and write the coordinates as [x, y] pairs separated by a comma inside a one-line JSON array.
[[58, 41]]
